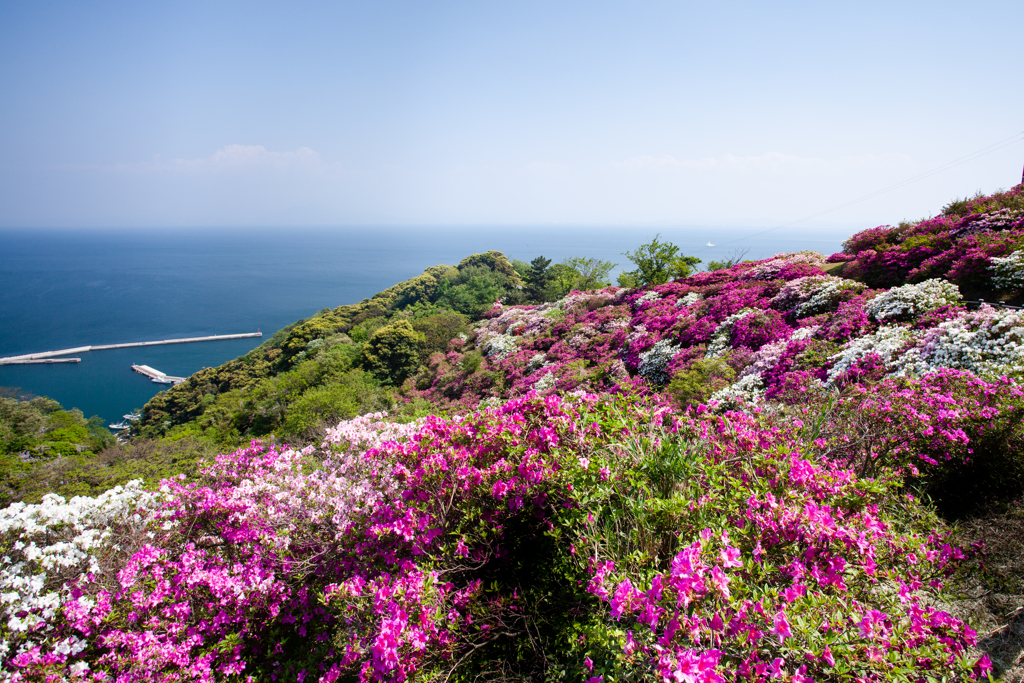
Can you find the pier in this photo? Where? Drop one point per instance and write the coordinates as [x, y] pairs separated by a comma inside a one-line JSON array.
[[157, 376], [41, 361], [31, 357]]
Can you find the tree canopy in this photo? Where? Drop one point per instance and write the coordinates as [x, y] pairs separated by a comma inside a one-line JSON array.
[[656, 263]]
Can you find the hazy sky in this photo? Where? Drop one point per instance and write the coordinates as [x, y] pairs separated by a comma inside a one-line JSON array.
[[652, 113]]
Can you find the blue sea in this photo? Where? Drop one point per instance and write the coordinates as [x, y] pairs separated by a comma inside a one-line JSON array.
[[65, 288]]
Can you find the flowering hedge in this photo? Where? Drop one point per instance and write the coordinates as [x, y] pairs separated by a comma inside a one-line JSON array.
[[968, 244], [581, 537], [780, 337]]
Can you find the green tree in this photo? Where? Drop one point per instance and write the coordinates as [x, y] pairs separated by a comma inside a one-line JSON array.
[[364, 330], [657, 263], [591, 273], [392, 353], [574, 273], [37, 436], [561, 279], [473, 289], [355, 393], [493, 260], [538, 278]]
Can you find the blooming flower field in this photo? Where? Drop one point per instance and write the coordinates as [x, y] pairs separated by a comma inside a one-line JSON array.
[[783, 326], [678, 546]]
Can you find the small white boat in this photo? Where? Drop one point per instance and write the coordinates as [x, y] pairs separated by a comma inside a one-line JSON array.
[[118, 425], [132, 417], [710, 245]]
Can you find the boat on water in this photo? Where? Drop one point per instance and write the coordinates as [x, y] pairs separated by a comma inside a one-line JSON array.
[[118, 425], [709, 244], [132, 417]]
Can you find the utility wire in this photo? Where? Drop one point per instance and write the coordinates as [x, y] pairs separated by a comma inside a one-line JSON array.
[[1012, 140]]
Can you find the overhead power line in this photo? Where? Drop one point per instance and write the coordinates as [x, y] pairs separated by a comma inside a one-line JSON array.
[[1012, 140]]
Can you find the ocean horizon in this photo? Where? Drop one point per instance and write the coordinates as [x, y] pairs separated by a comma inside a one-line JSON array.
[[64, 288]]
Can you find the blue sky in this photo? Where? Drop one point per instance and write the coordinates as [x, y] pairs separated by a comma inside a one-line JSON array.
[[577, 113]]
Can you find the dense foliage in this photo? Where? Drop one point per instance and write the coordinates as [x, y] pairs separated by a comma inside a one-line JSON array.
[[41, 444], [656, 263], [773, 329]]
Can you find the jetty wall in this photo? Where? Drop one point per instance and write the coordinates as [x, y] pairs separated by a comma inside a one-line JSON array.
[[20, 360]]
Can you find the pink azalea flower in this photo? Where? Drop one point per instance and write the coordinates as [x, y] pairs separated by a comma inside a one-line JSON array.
[[720, 581], [780, 627], [730, 557]]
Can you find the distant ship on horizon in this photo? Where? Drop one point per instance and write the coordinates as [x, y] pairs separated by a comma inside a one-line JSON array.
[[710, 245]]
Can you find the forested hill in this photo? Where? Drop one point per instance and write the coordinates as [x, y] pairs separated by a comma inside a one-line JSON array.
[[353, 359]]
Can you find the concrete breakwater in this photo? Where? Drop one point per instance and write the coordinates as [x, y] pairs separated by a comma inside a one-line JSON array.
[[34, 357], [156, 375]]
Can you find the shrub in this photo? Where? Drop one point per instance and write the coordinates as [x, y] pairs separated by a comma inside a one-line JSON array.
[[814, 295], [392, 352], [705, 579], [654, 361], [910, 301], [956, 437], [493, 261], [438, 330], [958, 245], [988, 342], [699, 381], [355, 393], [1008, 272], [38, 439], [764, 327], [473, 290]]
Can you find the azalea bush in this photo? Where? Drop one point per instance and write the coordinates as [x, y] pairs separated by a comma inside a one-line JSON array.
[[953, 436], [562, 538], [778, 337], [968, 244], [776, 578]]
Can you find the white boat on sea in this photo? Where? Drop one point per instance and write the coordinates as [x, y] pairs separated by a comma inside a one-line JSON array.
[[709, 244]]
